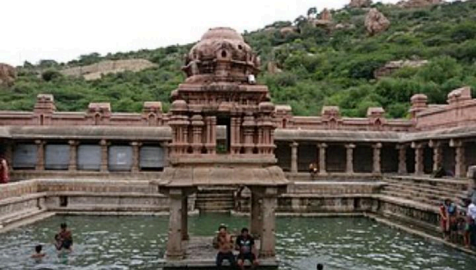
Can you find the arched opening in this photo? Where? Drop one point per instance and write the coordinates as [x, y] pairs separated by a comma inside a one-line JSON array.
[[223, 54]]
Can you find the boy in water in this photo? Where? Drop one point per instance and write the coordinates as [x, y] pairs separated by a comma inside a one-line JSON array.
[[225, 247], [64, 239], [38, 255], [246, 245]]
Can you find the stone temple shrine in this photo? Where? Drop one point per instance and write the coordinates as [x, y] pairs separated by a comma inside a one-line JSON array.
[[224, 146]]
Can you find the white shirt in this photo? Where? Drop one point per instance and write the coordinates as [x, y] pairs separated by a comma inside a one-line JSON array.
[[472, 211]]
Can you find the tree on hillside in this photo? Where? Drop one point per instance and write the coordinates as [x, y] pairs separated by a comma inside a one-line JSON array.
[[311, 12]]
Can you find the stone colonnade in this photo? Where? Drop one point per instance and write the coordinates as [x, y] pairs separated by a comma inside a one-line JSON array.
[[417, 147], [262, 220], [349, 156], [73, 154]]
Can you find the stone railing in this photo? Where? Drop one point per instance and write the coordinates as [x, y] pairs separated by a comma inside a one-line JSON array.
[[45, 114], [460, 111], [331, 119]]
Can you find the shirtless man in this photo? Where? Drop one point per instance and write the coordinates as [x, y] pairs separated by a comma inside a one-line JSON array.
[[225, 247], [64, 239]]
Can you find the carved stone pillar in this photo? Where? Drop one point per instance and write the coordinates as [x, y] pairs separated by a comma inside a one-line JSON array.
[[135, 157], [249, 125], [294, 157], [104, 155], [268, 218], [184, 212], [256, 219], [377, 166], [402, 159], [40, 160], [349, 168], [73, 155], [322, 158], [174, 242], [460, 164], [437, 154], [235, 135], [419, 165], [197, 128], [211, 141]]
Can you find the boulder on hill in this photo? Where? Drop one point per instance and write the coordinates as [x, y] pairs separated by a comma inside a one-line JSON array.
[[419, 3], [393, 66], [360, 3], [273, 68], [8, 74], [324, 20], [287, 30], [376, 22]]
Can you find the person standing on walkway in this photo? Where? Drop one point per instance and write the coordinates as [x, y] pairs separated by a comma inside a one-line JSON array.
[[4, 172]]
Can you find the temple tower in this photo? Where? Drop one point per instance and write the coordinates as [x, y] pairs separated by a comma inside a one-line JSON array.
[[220, 97]]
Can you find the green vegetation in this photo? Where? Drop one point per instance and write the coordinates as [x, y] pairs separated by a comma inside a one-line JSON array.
[[320, 67]]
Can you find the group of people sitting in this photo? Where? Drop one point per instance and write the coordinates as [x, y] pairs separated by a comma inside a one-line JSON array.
[[244, 244], [63, 242], [457, 225]]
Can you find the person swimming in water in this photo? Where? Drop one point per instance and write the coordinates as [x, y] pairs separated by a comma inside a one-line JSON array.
[[38, 255]]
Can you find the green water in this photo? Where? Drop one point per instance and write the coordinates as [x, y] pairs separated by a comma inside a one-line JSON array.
[[139, 242]]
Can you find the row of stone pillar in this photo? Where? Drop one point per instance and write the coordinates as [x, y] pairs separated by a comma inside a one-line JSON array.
[[322, 148], [73, 155], [460, 164]]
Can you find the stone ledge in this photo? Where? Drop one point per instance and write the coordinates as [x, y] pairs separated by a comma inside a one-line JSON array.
[[23, 198], [98, 194]]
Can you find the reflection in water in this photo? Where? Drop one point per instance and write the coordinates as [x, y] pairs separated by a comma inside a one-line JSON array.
[[139, 242]]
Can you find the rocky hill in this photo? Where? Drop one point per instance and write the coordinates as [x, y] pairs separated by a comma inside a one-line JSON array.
[[95, 71], [366, 54]]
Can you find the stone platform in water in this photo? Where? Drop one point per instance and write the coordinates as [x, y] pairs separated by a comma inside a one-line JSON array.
[[200, 254]]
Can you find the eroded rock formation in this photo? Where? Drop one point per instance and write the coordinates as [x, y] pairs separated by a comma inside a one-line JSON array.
[[273, 68], [287, 30], [419, 3], [8, 74], [324, 20], [94, 71], [393, 66], [376, 22], [360, 3]]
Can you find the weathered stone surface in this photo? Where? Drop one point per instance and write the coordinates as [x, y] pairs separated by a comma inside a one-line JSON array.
[[273, 68], [376, 22], [288, 30], [393, 66], [95, 71], [360, 3], [326, 15], [419, 3], [8, 74]]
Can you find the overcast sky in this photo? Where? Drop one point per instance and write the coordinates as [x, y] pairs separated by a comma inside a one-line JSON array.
[[64, 29]]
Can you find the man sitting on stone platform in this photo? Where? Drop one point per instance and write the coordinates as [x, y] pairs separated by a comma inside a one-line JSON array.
[[246, 245], [224, 243]]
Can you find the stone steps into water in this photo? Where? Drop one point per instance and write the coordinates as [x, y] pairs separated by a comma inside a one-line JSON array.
[[215, 199], [426, 190]]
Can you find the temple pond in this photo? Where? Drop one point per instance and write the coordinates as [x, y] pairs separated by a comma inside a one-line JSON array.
[[138, 242]]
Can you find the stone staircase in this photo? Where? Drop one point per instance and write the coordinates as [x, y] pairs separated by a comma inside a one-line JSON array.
[[215, 199], [428, 191]]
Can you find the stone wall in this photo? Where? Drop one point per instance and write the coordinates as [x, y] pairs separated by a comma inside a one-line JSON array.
[[27, 199]]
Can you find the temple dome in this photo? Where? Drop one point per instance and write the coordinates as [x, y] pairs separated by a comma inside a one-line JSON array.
[[221, 55], [222, 33]]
